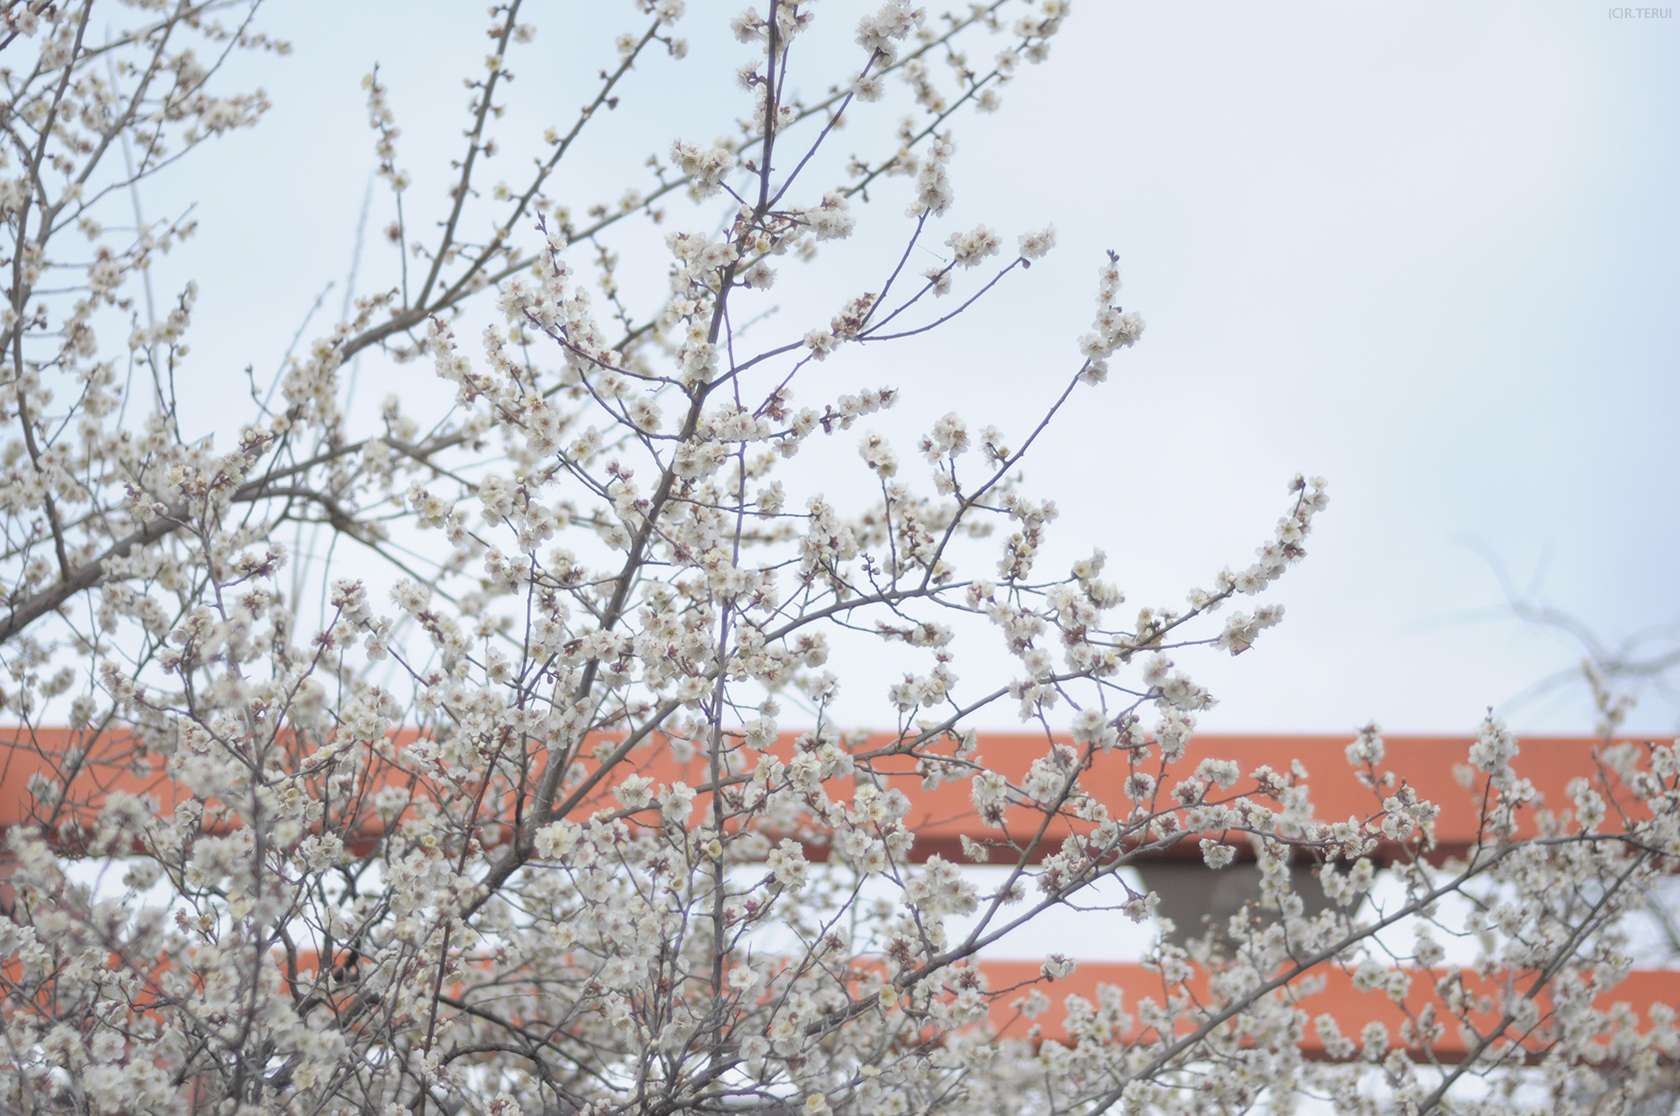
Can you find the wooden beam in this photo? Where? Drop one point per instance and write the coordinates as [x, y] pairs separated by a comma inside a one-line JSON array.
[[1123, 994], [1329, 990], [95, 767]]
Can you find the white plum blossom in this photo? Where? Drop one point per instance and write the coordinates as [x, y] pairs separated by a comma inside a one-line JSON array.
[[969, 248], [1215, 854], [706, 166], [1036, 245], [831, 219], [1493, 752]]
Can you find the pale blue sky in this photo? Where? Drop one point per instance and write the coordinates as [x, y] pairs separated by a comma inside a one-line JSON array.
[[1426, 250]]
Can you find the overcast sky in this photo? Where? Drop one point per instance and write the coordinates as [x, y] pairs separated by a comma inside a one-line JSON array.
[[1426, 250]]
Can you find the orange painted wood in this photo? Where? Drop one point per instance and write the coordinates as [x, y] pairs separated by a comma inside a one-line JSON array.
[[940, 817], [1323, 990], [945, 814], [1335, 996]]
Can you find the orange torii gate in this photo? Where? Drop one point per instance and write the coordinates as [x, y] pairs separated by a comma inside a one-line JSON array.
[[96, 767]]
